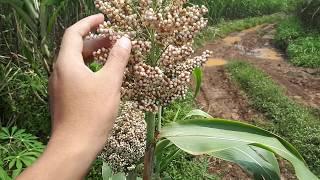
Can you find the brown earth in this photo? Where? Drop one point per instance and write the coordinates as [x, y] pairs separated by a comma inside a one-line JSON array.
[[222, 98]]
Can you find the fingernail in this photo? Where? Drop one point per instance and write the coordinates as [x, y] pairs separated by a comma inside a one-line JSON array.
[[124, 43]]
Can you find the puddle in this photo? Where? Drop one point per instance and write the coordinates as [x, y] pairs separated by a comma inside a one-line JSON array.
[[213, 62], [235, 39], [231, 40], [267, 53]]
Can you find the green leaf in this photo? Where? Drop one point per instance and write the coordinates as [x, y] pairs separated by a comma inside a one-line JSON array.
[[52, 2], [23, 15], [54, 16], [197, 73], [12, 163], [106, 171], [268, 156], [250, 160], [3, 174], [206, 136], [18, 164], [119, 176], [197, 112], [16, 173]]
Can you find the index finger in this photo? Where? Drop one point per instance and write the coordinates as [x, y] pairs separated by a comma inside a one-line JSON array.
[[72, 43]]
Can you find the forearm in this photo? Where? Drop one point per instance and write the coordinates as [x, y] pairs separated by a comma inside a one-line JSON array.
[[67, 157]]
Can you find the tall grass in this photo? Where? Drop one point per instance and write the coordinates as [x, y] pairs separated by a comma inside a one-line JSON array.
[[309, 12], [237, 9], [23, 84]]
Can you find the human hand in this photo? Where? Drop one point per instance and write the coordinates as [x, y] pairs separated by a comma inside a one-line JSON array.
[[84, 104]]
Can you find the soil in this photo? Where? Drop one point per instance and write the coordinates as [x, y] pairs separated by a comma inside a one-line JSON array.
[[222, 98]]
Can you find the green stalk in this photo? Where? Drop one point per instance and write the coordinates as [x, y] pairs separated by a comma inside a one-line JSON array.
[[157, 161], [149, 154]]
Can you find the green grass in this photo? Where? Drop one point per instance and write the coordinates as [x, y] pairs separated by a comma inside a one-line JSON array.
[[305, 51], [298, 124], [239, 9], [300, 43], [287, 31], [224, 28], [185, 167]]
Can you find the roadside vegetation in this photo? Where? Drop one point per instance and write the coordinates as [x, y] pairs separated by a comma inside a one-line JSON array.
[[224, 10], [299, 35], [298, 124]]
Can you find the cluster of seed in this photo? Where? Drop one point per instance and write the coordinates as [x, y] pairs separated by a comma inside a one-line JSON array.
[[162, 34], [127, 144]]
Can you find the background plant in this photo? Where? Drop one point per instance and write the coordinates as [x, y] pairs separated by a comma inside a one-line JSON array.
[[236, 9], [18, 151]]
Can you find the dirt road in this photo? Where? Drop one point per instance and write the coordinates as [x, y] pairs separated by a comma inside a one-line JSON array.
[[221, 98]]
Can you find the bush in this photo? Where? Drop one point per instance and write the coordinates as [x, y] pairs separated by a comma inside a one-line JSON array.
[[23, 98], [294, 122], [309, 13], [231, 9], [287, 31], [301, 44], [305, 52]]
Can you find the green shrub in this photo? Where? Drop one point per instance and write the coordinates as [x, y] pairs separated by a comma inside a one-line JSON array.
[[309, 13], [301, 44], [292, 121], [238, 9], [23, 98], [287, 31], [305, 52], [18, 150]]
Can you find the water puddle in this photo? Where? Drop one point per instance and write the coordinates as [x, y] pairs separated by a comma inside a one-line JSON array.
[[236, 39], [231, 40], [267, 53], [214, 62]]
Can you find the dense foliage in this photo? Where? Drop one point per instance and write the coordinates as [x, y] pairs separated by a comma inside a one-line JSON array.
[[18, 150], [309, 13], [298, 124], [300, 43], [236, 9]]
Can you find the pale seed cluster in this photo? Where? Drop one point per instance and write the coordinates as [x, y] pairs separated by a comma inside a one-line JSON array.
[[162, 33], [126, 145]]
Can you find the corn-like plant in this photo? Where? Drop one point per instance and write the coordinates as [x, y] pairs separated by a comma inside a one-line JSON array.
[[35, 24], [159, 72]]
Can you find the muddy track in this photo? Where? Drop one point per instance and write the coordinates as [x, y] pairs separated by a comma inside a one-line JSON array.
[[222, 98]]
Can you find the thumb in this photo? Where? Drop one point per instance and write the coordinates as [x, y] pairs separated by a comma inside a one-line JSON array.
[[118, 60]]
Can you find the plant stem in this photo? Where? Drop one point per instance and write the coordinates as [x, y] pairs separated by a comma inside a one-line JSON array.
[[159, 119], [157, 161], [149, 154]]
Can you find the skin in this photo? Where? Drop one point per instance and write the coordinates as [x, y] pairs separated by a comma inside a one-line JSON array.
[[84, 104]]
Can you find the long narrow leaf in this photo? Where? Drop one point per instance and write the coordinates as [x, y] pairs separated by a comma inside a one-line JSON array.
[[197, 112], [197, 73], [250, 160], [205, 136], [268, 156]]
